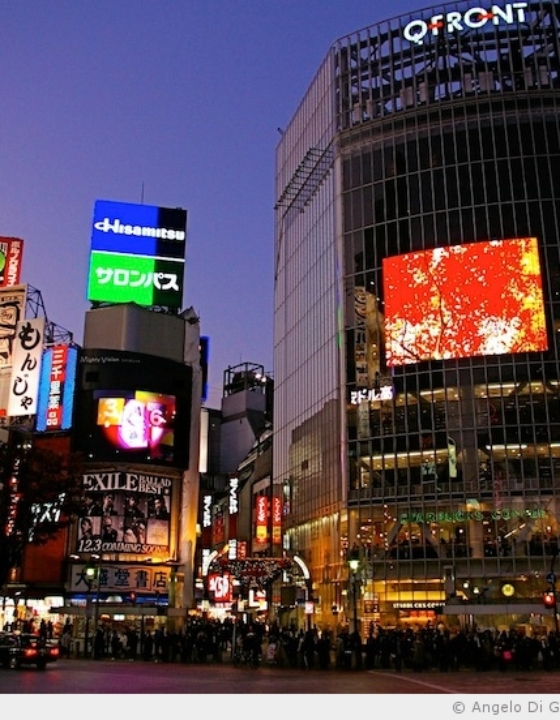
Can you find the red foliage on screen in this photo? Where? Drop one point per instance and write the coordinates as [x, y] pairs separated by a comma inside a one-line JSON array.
[[481, 298]]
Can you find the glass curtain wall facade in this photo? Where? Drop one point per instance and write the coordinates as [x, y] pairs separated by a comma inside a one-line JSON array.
[[445, 235]]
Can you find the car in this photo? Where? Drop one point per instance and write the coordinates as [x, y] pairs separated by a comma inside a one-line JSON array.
[[21, 649]]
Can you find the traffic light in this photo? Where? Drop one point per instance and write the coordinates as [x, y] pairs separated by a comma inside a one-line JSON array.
[[549, 598]]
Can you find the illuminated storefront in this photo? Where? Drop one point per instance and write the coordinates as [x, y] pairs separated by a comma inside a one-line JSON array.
[[417, 310]]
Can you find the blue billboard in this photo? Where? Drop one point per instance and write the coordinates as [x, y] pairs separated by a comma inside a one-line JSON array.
[[137, 254]]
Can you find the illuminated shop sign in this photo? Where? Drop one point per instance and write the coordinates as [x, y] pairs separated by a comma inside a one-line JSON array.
[[371, 395], [417, 605], [261, 518], [277, 520], [233, 506], [57, 388], [123, 578], [475, 299], [11, 256], [137, 254], [473, 19], [207, 511], [461, 516], [221, 587], [26, 367]]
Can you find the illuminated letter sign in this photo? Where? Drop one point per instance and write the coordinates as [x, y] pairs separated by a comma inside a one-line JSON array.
[[261, 523], [276, 520], [473, 18], [233, 501], [56, 388], [220, 585], [207, 511]]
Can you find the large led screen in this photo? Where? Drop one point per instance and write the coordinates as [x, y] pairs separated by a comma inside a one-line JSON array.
[[133, 407], [467, 300], [137, 254], [138, 420]]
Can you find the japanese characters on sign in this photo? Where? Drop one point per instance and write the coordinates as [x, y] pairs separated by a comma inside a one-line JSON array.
[[11, 255], [137, 254], [26, 368], [12, 310], [120, 578], [56, 389]]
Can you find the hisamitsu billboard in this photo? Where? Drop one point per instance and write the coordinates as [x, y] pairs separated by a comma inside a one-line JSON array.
[[137, 254]]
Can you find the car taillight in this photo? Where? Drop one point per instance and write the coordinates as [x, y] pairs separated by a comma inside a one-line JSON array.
[[30, 652], [53, 651]]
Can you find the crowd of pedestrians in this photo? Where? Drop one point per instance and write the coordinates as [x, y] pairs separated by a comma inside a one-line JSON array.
[[417, 649]]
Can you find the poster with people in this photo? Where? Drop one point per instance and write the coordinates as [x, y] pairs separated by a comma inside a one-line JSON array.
[[124, 512]]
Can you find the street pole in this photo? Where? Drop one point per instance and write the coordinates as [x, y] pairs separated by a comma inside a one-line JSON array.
[[552, 578], [88, 612], [354, 563], [354, 601]]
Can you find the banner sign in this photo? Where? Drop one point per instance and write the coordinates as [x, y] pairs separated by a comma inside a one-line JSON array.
[[26, 368]]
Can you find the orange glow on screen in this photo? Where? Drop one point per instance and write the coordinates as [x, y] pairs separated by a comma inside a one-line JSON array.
[[481, 298]]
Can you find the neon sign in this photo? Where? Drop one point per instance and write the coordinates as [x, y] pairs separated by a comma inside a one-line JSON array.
[[473, 19]]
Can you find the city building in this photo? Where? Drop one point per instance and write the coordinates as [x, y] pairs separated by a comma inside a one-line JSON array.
[[417, 318], [128, 403]]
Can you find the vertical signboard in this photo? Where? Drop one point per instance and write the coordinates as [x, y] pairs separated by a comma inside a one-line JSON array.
[[57, 388], [26, 367], [277, 520], [11, 255], [12, 310], [261, 518]]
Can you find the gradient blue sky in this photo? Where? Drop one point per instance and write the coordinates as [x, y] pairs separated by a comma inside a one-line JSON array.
[[180, 100]]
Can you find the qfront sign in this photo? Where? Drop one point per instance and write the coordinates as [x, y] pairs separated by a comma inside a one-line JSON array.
[[472, 19], [137, 254]]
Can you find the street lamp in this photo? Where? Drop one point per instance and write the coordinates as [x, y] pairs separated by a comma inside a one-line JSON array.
[[89, 575], [92, 574], [354, 564]]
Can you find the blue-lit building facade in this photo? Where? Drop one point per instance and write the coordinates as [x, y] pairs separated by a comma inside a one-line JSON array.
[[417, 311]]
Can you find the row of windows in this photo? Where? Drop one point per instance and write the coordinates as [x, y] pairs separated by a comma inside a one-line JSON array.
[[488, 141]]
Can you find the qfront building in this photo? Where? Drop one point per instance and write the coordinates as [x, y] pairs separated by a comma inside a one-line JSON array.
[[417, 317]]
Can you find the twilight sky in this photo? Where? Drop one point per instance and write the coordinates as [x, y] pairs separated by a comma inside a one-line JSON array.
[[173, 102]]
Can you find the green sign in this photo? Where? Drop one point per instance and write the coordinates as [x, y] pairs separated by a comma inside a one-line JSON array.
[[461, 516], [122, 278]]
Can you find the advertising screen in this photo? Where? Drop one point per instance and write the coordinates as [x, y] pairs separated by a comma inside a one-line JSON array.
[[124, 512], [137, 254], [467, 300], [137, 419], [132, 407]]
